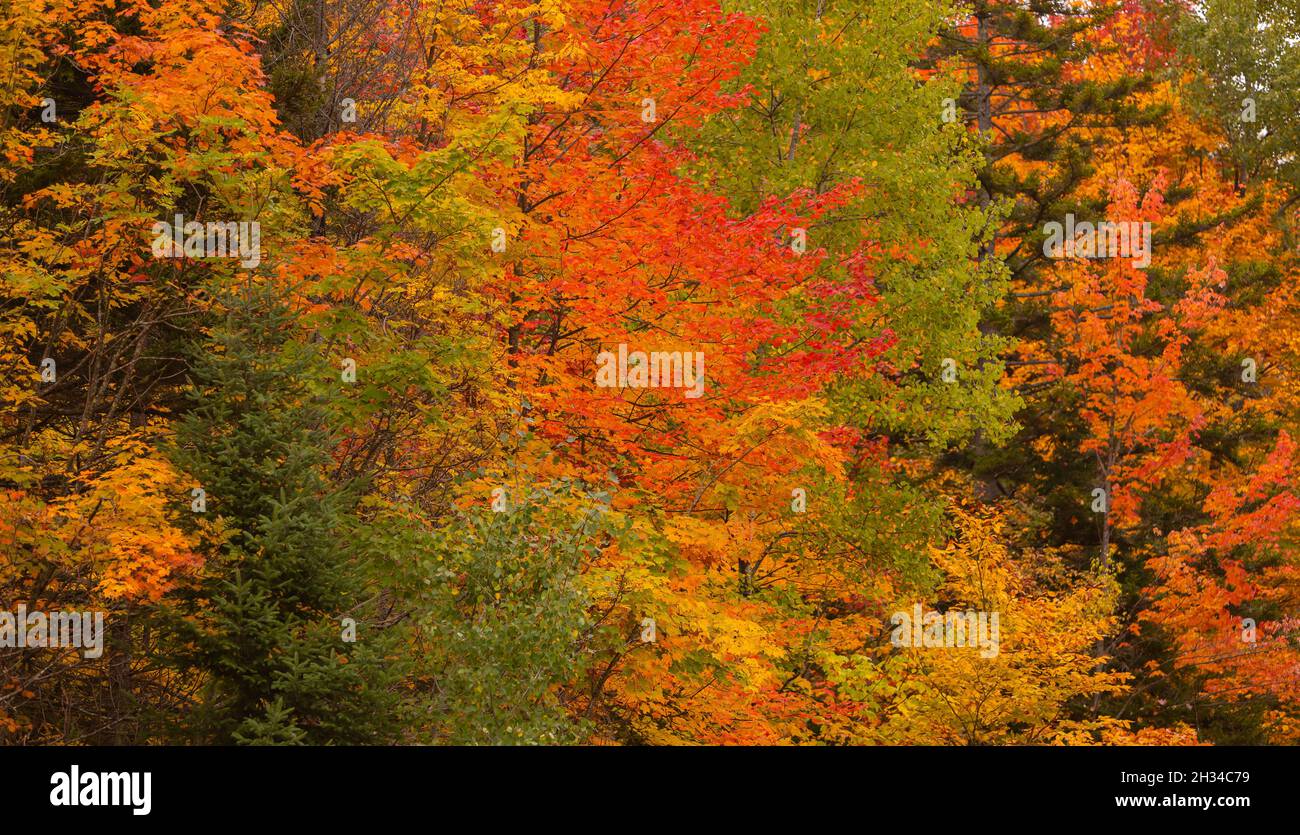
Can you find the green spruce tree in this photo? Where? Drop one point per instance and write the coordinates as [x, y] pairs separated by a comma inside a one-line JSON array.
[[281, 626]]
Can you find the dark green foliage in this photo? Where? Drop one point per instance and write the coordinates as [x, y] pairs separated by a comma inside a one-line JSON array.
[[288, 555]]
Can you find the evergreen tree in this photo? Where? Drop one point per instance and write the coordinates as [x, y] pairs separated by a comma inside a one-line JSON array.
[[1038, 119], [1029, 104], [289, 557]]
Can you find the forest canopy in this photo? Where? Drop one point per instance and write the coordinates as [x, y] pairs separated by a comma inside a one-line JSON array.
[[662, 372]]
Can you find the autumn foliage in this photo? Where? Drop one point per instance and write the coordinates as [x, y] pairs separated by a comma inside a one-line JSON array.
[[370, 485]]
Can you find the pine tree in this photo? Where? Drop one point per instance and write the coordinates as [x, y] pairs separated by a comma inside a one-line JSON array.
[[1029, 103], [1038, 118]]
